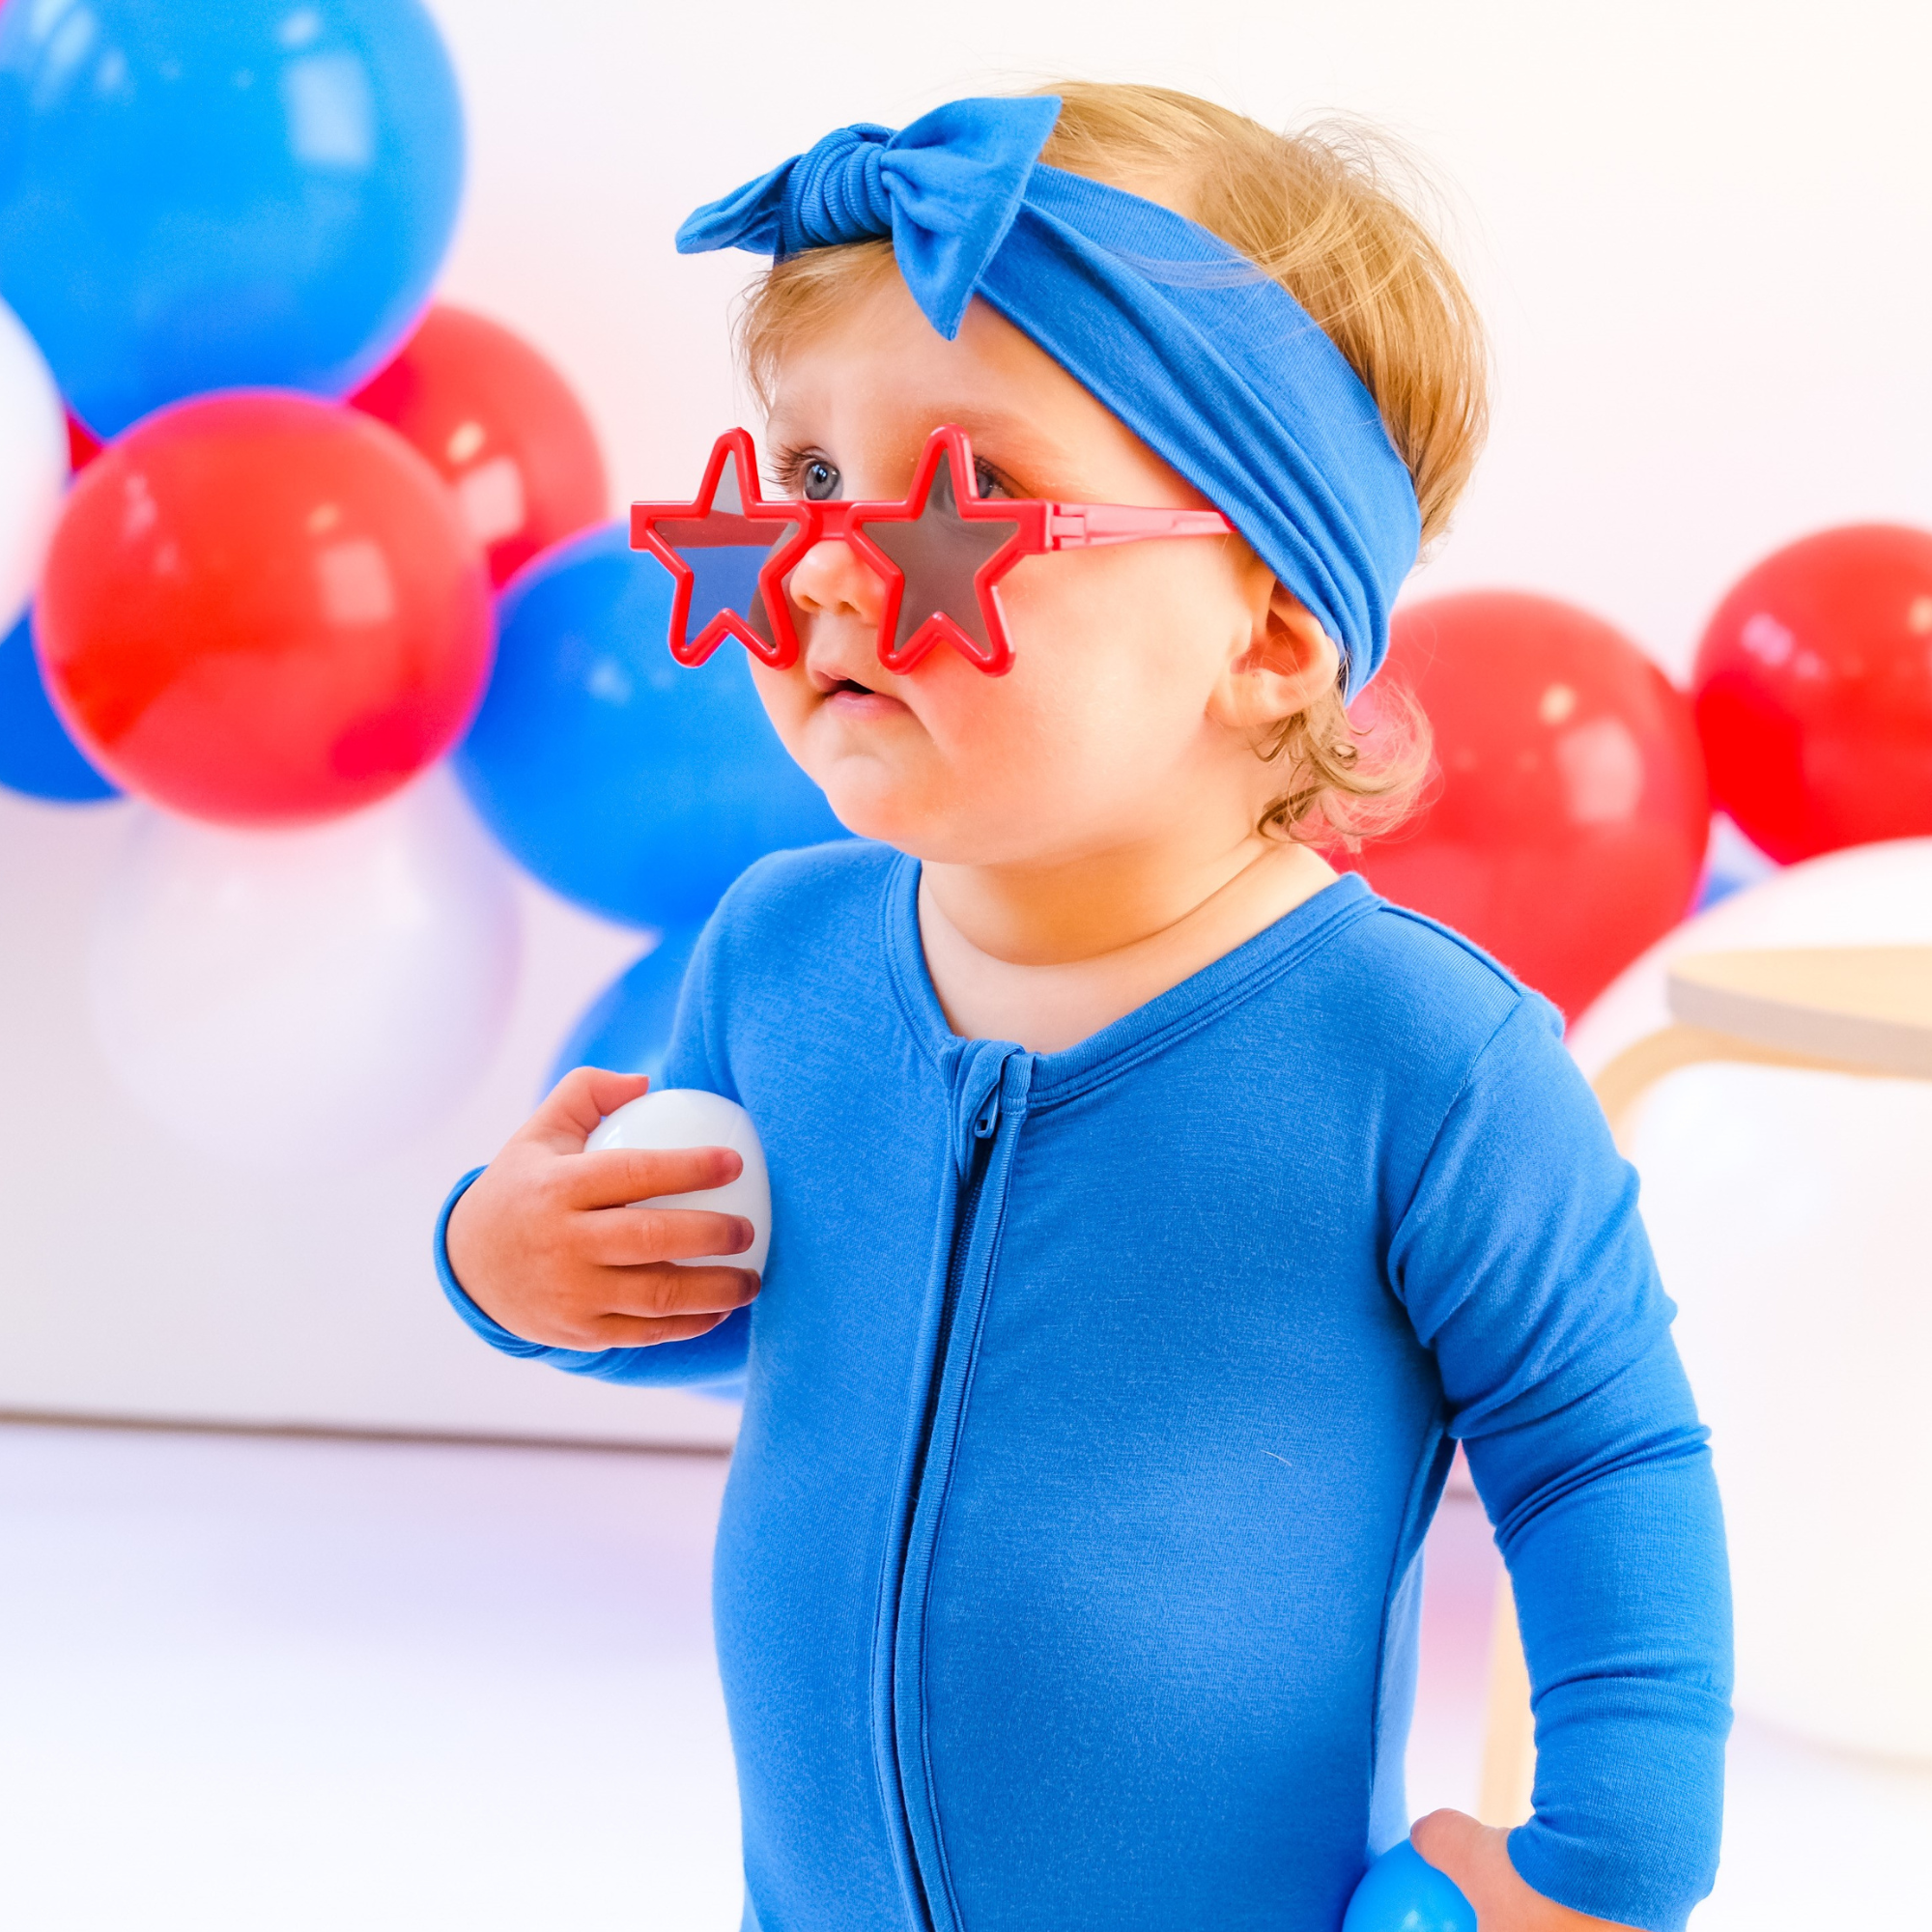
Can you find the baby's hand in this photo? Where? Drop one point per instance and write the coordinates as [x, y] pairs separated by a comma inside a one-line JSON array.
[[545, 1243], [1477, 1857]]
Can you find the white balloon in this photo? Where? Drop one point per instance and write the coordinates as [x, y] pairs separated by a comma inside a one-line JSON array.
[[33, 465], [683, 1117], [300, 999], [1787, 1211]]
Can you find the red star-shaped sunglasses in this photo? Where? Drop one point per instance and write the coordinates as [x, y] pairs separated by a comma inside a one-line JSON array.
[[940, 555]]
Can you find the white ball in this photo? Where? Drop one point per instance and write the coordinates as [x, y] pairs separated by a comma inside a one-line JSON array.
[[1786, 1207], [685, 1116]]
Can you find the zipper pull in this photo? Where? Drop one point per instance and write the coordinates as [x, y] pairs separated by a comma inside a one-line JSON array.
[[976, 1073]]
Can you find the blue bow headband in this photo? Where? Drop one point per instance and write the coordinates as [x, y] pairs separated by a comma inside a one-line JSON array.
[[1207, 360]]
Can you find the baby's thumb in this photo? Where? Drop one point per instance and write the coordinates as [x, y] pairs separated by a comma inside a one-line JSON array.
[[1462, 1850], [572, 1109]]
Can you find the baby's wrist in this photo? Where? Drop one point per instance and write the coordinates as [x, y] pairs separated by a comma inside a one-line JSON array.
[[458, 1247]]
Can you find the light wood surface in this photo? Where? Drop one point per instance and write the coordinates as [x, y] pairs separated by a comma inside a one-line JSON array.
[[1639, 1066], [1869, 1005]]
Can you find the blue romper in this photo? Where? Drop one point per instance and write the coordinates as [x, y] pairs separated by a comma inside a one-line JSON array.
[[1097, 1402]]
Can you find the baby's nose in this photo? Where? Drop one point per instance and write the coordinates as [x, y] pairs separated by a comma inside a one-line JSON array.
[[832, 579]]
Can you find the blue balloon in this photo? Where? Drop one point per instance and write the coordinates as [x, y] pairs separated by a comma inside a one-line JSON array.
[[619, 779], [37, 756], [202, 194], [627, 1027], [1402, 1892]]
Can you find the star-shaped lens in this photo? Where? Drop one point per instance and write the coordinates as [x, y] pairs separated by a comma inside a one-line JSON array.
[[946, 545], [722, 548]]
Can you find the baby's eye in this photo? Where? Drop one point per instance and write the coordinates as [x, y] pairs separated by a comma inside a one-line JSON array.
[[986, 480], [817, 480]]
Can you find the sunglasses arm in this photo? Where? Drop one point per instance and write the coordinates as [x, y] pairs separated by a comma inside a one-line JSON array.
[[1085, 526]]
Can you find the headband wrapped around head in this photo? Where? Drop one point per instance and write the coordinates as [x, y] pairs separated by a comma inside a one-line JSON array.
[[1207, 359]]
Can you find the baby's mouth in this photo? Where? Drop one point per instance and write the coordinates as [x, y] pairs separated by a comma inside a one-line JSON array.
[[855, 697], [836, 684]]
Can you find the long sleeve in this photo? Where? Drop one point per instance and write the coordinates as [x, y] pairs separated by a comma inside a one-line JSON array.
[[1525, 1268], [716, 1357]]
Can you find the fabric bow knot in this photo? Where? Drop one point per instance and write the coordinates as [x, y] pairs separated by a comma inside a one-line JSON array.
[[946, 189], [1209, 361]]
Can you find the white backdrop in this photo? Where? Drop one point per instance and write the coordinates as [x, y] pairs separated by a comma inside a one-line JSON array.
[[1699, 232]]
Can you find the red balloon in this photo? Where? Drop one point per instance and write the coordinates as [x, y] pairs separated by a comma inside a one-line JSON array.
[[1815, 693], [1569, 825], [503, 429], [261, 609]]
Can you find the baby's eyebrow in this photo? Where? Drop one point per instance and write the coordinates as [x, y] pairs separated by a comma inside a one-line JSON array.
[[1013, 437], [1017, 437]]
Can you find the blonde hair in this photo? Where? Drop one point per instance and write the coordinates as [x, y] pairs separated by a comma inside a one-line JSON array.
[[1318, 211]]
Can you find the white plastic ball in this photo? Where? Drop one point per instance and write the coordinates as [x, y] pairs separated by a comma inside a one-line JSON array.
[[686, 1117], [1786, 1209]]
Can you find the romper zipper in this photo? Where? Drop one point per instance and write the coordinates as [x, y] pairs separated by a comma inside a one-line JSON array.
[[901, 1747], [971, 1189]]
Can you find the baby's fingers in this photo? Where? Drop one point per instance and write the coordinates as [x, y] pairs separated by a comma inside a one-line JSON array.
[[572, 1109], [631, 1331], [636, 1237], [657, 1293], [637, 1307], [613, 1176]]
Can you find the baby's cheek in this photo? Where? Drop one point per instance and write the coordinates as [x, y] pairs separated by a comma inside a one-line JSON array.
[[1152, 603], [787, 698]]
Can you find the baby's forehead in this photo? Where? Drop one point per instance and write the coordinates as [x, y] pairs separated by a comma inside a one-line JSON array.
[[870, 384]]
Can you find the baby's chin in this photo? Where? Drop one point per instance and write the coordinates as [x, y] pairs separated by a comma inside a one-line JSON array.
[[929, 815], [873, 802]]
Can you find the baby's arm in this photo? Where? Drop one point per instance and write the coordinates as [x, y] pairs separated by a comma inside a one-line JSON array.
[[1526, 1267], [541, 1255]]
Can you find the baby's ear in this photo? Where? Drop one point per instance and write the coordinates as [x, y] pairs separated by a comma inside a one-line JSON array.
[[1287, 661]]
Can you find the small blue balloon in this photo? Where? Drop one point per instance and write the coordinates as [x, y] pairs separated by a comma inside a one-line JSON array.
[[202, 194], [37, 756], [1402, 1892], [627, 1027], [619, 779]]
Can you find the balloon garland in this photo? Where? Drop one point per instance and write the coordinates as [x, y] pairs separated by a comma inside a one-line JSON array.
[[260, 492]]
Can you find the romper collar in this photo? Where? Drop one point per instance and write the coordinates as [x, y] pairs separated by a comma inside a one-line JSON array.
[[1183, 1010]]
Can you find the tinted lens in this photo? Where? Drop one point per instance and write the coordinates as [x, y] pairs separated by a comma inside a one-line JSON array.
[[726, 551], [939, 552]]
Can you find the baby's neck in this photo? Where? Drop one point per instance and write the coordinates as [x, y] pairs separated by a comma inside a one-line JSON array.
[[1049, 956]]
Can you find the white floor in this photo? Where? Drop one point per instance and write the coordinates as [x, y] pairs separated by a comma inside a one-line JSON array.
[[263, 1686]]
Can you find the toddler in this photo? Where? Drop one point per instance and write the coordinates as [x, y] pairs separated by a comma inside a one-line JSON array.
[[1154, 1209]]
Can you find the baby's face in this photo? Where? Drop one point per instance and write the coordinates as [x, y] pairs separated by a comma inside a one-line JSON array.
[[1120, 708]]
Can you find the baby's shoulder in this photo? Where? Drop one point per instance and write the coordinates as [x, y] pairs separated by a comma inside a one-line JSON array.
[[819, 902], [1420, 992]]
